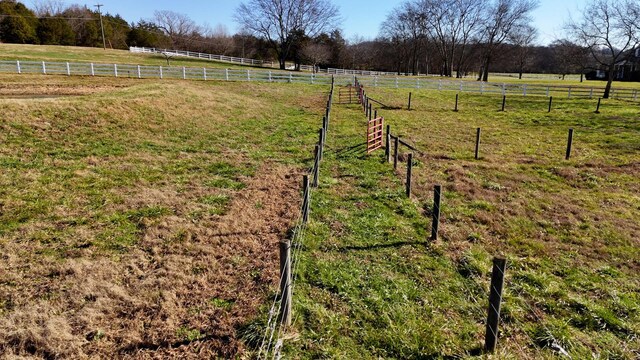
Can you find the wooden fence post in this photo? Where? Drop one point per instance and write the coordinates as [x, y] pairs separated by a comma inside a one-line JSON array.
[[409, 105], [327, 114], [387, 147], [321, 136], [370, 114], [569, 144], [495, 301], [437, 191], [316, 167], [409, 167], [395, 152], [325, 124], [285, 282], [306, 196]]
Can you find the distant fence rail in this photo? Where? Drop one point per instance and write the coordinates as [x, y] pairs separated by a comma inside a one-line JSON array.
[[260, 75], [198, 55]]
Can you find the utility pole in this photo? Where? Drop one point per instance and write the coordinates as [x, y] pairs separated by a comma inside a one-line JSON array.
[[104, 43]]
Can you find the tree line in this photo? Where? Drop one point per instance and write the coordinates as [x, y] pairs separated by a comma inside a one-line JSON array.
[[451, 38]]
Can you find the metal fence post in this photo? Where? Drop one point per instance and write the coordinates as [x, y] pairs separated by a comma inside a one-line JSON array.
[[437, 191], [115, 70], [18, 67], [68, 70], [226, 74], [139, 74], [387, 147], [93, 73], [495, 302], [204, 73], [409, 167], [550, 103], [569, 144], [44, 68], [161, 76], [184, 73], [477, 142]]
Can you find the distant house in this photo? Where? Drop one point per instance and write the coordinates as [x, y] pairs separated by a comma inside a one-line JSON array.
[[627, 69]]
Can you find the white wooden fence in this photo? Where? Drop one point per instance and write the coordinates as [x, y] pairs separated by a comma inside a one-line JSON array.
[[204, 73], [231, 59]]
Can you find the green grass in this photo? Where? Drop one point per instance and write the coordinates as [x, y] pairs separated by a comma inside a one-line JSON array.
[[153, 169], [154, 202], [98, 55], [372, 285]]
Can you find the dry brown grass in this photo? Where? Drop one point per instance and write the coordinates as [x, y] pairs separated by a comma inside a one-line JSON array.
[[190, 277]]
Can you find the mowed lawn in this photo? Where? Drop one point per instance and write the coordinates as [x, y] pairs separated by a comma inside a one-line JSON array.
[[373, 285], [142, 218]]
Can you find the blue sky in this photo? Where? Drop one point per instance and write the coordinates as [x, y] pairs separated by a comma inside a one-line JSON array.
[[361, 17]]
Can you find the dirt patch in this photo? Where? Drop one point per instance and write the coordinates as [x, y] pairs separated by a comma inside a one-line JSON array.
[[181, 291]]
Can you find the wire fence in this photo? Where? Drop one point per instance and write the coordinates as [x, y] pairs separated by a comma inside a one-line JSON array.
[[205, 73], [280, 311], [478, 294]]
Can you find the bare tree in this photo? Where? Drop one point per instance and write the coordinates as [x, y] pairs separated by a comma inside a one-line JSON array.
[[452, 24], [281, 22], [404, 29], [609, 29], [570, 57], [48, 7], [316, 54], [217, 40], [178, 27], [502, 18], [523, 38]]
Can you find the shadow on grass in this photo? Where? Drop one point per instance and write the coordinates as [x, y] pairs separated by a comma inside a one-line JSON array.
[[349, 151], [395, 244]]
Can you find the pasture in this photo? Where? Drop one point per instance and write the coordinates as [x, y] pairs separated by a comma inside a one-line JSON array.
[[374, 285], [141, 219]]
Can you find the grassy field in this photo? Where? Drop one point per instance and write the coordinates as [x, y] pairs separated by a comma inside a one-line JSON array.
[[109, 56], [141, 218], [373, 285]]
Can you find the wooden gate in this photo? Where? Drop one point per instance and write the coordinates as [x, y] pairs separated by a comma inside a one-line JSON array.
[[347, 95], [375, 134]]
